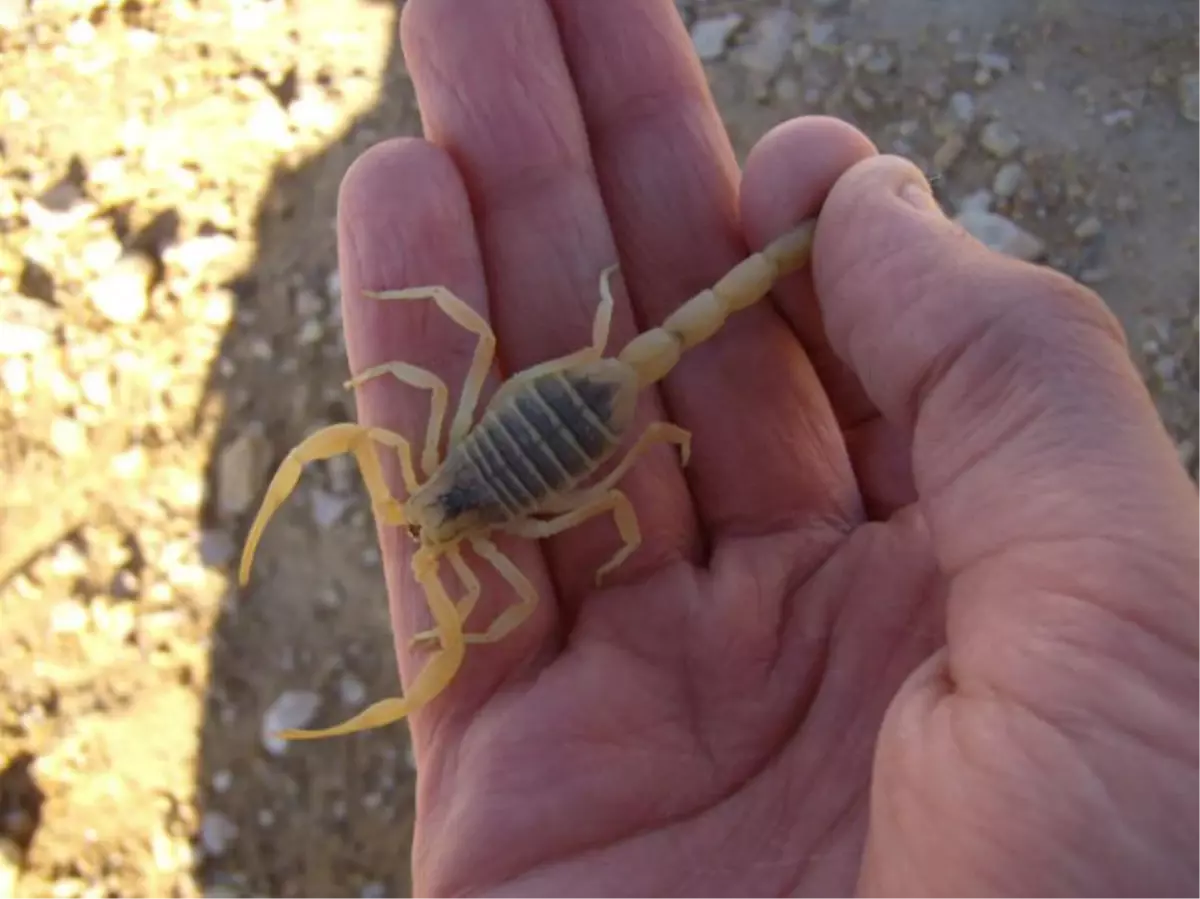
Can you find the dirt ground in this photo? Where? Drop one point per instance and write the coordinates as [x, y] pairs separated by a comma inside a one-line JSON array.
[[169, 327]]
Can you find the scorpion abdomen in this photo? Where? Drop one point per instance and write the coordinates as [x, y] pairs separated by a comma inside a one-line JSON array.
[[537, 440]]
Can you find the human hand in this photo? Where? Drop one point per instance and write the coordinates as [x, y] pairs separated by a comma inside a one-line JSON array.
[[920, 616]]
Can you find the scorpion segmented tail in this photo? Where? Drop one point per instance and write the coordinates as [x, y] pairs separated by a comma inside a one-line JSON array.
[[655, 352]]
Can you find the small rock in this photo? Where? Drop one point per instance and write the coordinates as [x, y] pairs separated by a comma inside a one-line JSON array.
[[310, 332], [373, 890], [217, 831], [862, 99], [11, 14], [1126, 203], [26, 325], [787, 89], [68, 437], [880, 62], [769, 44], [10, 867], [1088, 228], [68, 617], [1001, 234], [216, 548], [994, 62], [266, 818], [241, 467], [18, 339], [36, 281], [66, 193], [96, 387], [1008, 180], [1097, 274], [976, 201], [351, 690], [1123, 117], [193, 256], [333, 285], [821, 35], [124, 585], [999, 140], [222, 780], [710, 37], [122, 294], [309, 304], [293, 709], [1187, 454], [947, 154], [1189, 97], [80, 32], [962, 107], [1166, 368], [327, 507], [14, 373], [934, 88]]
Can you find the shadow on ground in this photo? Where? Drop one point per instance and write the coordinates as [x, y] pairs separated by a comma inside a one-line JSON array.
[[328, 818]]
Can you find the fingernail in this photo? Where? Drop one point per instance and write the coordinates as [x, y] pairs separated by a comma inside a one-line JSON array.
[[918, 195]]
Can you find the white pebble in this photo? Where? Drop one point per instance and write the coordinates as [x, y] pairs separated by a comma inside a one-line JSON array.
[[770, 42], [351, 690], [962, 107], [216, 833], [1001, 234], [1089, 227], [1189, 97], [293, 709], [999, 139], [121, 294], [1008, 179], [327, 507], [711, 36]]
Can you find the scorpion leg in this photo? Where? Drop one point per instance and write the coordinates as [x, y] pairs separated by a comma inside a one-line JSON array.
[[589, 504], [333, 441], [601, 326], [511, 618], [434, 677], [657, 433], [466, 317], [465, 605], [439, 397]]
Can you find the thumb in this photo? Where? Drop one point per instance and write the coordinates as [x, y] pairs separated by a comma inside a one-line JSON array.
[[1050, 487]]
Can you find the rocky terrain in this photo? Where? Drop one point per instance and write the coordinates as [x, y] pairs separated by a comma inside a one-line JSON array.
[[169, 327]]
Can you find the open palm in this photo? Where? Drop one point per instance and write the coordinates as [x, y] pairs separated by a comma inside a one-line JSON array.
[[889, 629]]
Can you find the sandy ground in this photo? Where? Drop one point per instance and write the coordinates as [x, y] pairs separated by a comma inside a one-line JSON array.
[[169, 328]]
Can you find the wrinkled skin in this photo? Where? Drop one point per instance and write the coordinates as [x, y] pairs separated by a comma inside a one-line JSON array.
[[919, 618]]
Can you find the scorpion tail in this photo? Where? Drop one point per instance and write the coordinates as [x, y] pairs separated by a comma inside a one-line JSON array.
[[655, 352]]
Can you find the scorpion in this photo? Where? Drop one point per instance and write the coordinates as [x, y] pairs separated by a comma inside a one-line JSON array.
[[522, 467]]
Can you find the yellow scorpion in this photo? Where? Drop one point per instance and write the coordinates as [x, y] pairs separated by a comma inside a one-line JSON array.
[[521, 468]]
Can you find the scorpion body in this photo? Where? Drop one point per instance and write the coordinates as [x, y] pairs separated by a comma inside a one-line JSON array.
[[523, 467], [529, 447]]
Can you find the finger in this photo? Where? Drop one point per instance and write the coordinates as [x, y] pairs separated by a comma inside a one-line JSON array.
[[767, 452], [1054, 497], [404, 221], [495, 92], [782, 180]]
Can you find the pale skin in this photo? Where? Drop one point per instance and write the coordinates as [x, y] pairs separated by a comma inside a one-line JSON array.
[[919, 616]]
